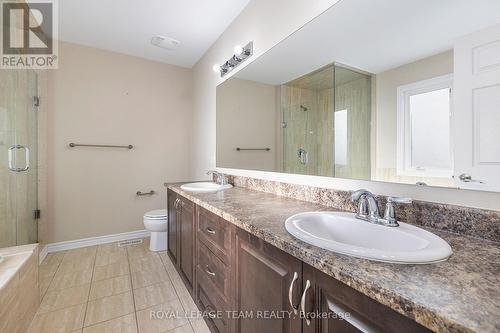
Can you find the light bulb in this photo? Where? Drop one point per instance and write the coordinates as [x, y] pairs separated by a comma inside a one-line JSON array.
[[216, 68], [238, 49]]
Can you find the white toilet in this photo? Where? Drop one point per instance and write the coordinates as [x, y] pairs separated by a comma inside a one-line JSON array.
[[156, 221]]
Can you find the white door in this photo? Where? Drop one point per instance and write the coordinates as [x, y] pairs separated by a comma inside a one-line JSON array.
[[476, 119]]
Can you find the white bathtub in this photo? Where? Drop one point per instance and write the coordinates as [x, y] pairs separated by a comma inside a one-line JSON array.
[[19, 295]]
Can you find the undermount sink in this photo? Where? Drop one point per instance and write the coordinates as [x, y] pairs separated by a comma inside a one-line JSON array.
[[204, 187], [343, 233]]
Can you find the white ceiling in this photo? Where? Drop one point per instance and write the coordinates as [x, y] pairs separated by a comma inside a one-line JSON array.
[[373, 36], [127, 26]]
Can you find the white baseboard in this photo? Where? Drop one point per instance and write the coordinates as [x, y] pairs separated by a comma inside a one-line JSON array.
[[75, 244]]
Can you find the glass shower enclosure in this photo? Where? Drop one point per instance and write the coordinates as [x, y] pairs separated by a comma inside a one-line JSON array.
[[326, 117], [18, 157]]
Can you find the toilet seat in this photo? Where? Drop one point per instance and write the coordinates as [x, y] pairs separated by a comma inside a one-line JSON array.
[[157, 214]]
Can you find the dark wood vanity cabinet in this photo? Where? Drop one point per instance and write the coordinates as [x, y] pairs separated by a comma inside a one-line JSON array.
[[181, 236], [332, 306], [187, 241], [247, 285], [172, 229], [214, 287], [267, 279]]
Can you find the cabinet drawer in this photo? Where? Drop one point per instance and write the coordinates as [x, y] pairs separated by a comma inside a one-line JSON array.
[[207, 284], [214, 270], [215, 233], [215, 318]]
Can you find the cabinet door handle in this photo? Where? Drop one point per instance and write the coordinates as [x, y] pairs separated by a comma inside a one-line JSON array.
[[176, 204], [208, 271], [303, 302], [210, 230], [290, 293]]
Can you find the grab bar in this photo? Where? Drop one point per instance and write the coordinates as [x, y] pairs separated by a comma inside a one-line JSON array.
[[139, 193], [72, 145], [240, 149]]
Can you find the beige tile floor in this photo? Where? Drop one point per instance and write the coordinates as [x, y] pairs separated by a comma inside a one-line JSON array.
[[107, 288]]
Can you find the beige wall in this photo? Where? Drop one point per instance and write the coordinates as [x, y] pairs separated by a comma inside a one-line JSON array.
[[247, 116], [102, 97], [387, 84]]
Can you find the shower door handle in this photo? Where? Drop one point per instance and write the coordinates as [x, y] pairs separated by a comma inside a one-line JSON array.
[[26, 154]]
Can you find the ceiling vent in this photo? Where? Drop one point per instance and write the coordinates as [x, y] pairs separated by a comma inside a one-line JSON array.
[[165, 42]]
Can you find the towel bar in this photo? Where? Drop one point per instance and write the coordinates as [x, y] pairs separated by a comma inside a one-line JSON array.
[[139, 193], [72, 145], [240, 149]]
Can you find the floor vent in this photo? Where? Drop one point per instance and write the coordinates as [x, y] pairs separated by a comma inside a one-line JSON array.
[[130, 242]]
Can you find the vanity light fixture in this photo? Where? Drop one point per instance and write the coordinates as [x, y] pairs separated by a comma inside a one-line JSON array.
[[241, 53]]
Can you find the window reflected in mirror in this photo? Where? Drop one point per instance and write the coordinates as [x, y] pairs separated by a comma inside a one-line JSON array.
[[424, 115]]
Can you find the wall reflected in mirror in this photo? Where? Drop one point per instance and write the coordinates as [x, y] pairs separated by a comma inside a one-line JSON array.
[[361, 101]]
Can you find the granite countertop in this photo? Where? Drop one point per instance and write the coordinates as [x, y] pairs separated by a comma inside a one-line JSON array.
[[461, 294]]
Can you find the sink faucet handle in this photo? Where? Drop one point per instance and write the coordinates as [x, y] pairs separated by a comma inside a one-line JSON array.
[[390, 213], [403, 200]]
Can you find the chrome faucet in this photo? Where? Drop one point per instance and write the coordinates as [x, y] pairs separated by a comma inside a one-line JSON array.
[[368, 208], [221, 178]]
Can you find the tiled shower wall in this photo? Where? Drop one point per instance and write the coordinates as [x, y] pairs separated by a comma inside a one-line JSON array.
[[308, 113]]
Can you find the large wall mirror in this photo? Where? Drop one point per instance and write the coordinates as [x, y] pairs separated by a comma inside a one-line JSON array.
[[387, 90]]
